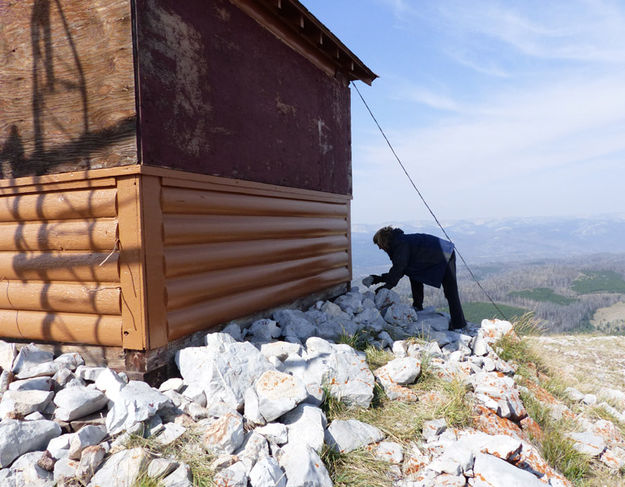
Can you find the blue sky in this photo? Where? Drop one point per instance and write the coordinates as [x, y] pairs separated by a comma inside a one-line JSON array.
[[497, 108]]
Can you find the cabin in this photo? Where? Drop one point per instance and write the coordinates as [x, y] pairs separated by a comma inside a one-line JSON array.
[[166, 167]]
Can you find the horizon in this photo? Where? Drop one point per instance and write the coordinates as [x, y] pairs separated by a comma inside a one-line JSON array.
[[497, 110]]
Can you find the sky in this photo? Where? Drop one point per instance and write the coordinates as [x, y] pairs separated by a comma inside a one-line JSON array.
[[497, 108]]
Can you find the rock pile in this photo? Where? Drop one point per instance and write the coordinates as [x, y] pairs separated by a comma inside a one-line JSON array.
[[253, 396]]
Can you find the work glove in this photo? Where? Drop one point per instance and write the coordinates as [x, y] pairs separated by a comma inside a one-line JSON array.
[[372, 279]]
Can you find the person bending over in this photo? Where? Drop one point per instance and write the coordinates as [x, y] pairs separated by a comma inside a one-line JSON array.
[[425, 259]]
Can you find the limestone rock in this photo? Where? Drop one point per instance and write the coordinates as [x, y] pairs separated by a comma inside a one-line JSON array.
[[490, 471], [588, 443], [267, 473], [399, 314], [264, 330], [388, 451], [87, 436], [122, 469], [233, 476], [385, 298], [303, 467], [306, 424], [31, 361], [224, 435], [135, 403], [278, 393], [161, 467], [34, 384], [433, 428], [23, 402], [225, 370], [78, 402], [8, 353], [90, 460], [181, 477], [19, 437], [348, 435]]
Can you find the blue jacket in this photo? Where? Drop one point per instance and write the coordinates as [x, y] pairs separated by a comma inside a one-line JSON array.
[[419, 256]]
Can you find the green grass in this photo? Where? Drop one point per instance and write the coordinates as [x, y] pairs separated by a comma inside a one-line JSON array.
[[478, 311], [542, 294], [359, 468], [599, 282]]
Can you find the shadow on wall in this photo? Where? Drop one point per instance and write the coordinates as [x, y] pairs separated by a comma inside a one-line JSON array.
[[59, 255], [42, 152]]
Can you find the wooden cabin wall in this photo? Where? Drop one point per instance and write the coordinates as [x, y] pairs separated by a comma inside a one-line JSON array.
[[231, 250], [59, 263], [67, 96], [221, 95]]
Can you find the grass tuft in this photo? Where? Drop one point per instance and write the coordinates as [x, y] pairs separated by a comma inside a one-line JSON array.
[[359, 468], [559, 451]]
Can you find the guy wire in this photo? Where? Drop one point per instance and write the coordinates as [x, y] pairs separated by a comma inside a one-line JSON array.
[[388, 142]]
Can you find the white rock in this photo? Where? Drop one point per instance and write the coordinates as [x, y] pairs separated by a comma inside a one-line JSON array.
[[306, 424], [254, 447], [225, 370], [480, 346], [8, 353], [264, 330], [122, 469], [70, 360], [278, 393], [181, 477], [59, 446], [88, 435], [267, 473], [434, 321], [277, 432], [587, 443], [490, 471], [303, 467], [173, 384], [224, 435], [109, 382], [348, 435], [433, 428], [24, 402], [573, 394], [78, 402], [29, 474], [34, 384], [589, 399], [19, 437], [88, 373], [294, 323], [234, 330], [389, 451], [493, 330], [90, 459], [613, 394], [350, 302], [161, 467], [171, 432], [135, 403], [370, 318], [499, 394], [29, 360], [401, 371], [5, 380], [195, 393], [251, 410], [279, 349], [501, 446], [65, 470], [233, 476], [66, 378], [385, 298], [399, 314]]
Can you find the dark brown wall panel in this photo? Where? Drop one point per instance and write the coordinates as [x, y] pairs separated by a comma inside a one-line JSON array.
[[230, 254], [67, 97], [222, 96]]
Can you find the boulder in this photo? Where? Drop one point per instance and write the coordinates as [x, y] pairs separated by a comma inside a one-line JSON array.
[[181, 477], [78, 402], [490, 471], [493, 330], [388, 451], [401, 371], [306, 424], [90, 460], [8, 353], [303, 466], [277, 432], [400, 314], [122, 469], [223, 435], [385, 298], [135, 403], [224, 369], [348, 435], [587, 443], [264, 330], [267, 473], [278, 393], [34, 384], [236, 475], [87, 436], [31, 361], [21, 403], [19, 437], [294, 323], [161, 467]]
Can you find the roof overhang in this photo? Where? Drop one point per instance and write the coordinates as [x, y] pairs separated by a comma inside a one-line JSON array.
[[293, 24]]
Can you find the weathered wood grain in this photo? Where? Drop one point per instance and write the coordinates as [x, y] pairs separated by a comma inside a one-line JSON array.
[[67, 100]]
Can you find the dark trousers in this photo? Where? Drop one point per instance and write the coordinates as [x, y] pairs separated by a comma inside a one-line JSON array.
[[450, 288], [417, 294]]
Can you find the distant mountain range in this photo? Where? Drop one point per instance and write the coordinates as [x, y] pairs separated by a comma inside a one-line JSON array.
[[505, 240]]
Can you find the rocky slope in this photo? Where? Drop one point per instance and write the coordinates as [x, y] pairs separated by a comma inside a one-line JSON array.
[[284, 403]]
